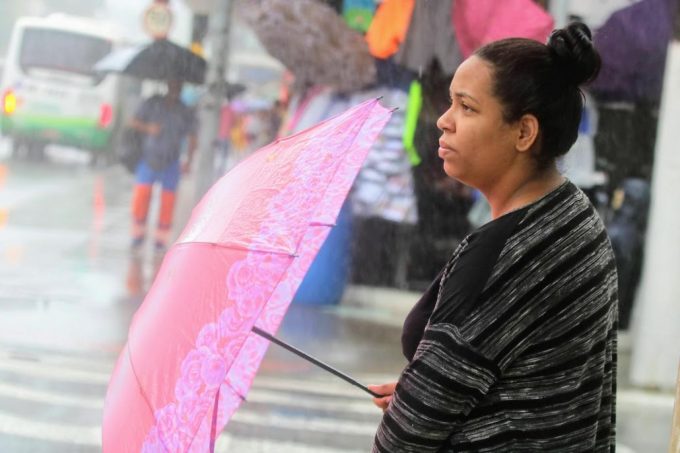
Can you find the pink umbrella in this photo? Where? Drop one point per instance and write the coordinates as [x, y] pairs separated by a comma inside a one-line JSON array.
[[191, 354], [478, 22]]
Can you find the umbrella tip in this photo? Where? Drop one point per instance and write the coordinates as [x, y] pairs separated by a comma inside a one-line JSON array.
[[394, 109], [379, 98]]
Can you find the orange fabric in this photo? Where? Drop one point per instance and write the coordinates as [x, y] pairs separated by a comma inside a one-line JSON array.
[[141, 197], [389, 27], [167, 209]]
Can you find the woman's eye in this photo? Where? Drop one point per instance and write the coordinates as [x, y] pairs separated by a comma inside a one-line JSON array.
[[466, 107]]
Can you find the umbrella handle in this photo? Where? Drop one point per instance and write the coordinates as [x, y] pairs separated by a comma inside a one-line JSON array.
[[315, 361]]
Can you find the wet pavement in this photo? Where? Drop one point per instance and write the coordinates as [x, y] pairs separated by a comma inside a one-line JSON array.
[[69, 287]]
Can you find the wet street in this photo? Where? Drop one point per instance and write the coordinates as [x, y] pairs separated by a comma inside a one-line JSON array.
[[69, 287]]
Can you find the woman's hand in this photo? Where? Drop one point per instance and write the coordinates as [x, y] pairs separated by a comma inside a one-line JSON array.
[[386, 390]]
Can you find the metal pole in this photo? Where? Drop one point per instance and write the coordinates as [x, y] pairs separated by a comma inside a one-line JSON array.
[[315, 361], [209, 114]]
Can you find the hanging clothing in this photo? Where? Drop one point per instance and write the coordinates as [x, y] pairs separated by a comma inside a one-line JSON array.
[[384, 186], [632, 44], [415, 104], [430, 37], [358, 13], [389, 26]]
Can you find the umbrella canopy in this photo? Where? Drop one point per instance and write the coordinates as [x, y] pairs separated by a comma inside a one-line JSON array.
[[478, 22], [632, 43], [160, 60], [313, 42], [191, 355]]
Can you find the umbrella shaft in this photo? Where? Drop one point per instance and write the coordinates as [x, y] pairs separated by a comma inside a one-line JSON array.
[[315, 361]]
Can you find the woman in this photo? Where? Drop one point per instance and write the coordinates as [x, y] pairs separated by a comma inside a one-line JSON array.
[[513, 347]]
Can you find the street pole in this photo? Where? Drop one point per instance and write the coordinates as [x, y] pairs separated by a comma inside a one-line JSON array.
[[211, 101], [656, 317]]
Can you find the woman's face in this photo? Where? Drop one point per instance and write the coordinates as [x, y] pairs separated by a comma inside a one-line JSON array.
[[476, 145]]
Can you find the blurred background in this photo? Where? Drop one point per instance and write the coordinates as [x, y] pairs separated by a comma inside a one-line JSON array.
[[70, 283]]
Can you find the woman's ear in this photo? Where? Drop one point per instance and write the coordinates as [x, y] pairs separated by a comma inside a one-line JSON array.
[[528, 132]]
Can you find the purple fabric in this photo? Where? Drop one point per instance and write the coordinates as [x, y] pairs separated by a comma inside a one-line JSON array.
[[633, 45]]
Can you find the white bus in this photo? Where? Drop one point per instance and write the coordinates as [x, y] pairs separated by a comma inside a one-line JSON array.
[[50, 93]]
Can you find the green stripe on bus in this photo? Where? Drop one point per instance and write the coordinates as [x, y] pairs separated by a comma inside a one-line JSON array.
[[74, 131]]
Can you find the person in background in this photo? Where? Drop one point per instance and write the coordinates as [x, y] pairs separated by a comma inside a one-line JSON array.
[[166, 123], [276, 115], [513, 346]]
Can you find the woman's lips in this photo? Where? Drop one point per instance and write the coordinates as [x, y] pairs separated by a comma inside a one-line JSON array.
[[444, 150]]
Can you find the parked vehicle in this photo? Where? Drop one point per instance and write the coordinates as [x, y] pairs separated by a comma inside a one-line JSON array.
[[50, 92]]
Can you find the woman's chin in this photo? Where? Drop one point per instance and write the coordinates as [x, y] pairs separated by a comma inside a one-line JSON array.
[[460, 176], [451, 170]]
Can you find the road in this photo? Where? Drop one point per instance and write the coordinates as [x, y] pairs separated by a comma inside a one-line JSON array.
[[69, 287]]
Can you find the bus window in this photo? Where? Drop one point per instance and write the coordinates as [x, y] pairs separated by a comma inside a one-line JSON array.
[[62, 51]]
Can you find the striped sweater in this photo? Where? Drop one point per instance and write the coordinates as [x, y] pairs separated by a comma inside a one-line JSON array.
[[514, 346]]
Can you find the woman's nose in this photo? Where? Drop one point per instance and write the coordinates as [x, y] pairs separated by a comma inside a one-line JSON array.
[[445, 122]]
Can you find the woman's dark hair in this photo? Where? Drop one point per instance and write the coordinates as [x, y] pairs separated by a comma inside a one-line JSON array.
[[544, 80]]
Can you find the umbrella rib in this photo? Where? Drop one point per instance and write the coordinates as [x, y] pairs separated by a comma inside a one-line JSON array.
[[235, 247], [236, 392], [141, 389], [246, 249]]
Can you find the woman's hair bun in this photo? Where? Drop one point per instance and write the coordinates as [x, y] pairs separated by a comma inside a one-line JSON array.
[[574, 53]]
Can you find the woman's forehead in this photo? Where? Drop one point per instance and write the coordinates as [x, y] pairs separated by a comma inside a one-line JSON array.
[[473, 77]]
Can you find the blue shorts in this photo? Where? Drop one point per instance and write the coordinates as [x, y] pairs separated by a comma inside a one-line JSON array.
[[169, 178]]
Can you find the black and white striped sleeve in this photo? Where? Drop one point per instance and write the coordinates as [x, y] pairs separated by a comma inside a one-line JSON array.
[[442, 384]]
